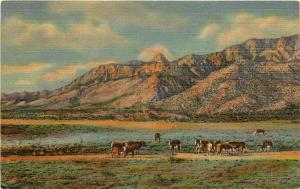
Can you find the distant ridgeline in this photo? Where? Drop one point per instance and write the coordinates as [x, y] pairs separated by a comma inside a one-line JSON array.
[[258, 79]]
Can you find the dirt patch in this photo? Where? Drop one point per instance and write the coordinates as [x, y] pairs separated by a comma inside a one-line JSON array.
[[150, 125], [292, 155]]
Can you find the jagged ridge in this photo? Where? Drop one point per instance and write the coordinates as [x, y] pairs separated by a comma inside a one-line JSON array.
[[259, 74]]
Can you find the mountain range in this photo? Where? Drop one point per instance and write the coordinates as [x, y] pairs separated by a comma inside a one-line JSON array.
[[255, 76]]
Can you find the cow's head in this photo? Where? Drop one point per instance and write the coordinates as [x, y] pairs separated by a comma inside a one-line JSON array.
[[143, 143]]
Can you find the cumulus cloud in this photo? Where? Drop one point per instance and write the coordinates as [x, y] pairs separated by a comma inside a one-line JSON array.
[[148, 53], [19, 33], [70, 70], [209, 31], [245, 26], [66, 72], [25, 81], [133, 13], [27, 68]]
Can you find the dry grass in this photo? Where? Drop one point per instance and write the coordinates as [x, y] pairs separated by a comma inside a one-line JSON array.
[[152, 125], [290, 155]]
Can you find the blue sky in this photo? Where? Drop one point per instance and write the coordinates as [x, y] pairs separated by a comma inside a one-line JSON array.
[[47, 44]]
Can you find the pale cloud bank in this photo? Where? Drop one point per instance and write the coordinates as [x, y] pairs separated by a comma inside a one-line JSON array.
[[133, 13], [66, 72], [245, 26], [27, 68], [24, 34], [148, 53], [209, 31]]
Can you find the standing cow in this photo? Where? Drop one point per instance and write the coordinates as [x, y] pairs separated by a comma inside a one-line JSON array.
[[117, 148], [259, 131], [132, 147], [175, 144], [223, 146], [157, 137], [238, 145], [202, 145], [210, 147], [266, 145]]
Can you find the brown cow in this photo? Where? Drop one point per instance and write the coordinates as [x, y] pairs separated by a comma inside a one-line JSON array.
[[238, 145], [210, 147], [259, 131], [201, 145], [175, 144], [116, 148], [266, 145], [132, 146], [214, 144], [157, 137], [223, 146]]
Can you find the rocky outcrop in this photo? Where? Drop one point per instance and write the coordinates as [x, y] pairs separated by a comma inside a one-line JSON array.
[[257, 75]]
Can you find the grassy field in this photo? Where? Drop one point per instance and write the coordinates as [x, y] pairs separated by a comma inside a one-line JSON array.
[[162, 171], [151, 173], [284, 134]]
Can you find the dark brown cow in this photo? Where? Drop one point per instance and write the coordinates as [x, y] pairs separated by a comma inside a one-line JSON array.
[[132, 146], [175, 144], [223, 146], [259, 131], [267, 144], [238, 145], [117, 148], [157, 137]]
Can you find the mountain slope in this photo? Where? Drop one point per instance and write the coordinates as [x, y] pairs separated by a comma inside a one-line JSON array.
[[257, 75]]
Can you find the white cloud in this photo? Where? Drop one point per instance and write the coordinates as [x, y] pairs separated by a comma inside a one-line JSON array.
[[148, 53], [209, 31], [23, 34], [133, 13], [245, 26], [27, 68], [70, 70], [66, 72], [23, 82]]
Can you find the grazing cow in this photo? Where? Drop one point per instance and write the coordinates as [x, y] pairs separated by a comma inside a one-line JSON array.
[[259, 131], [116, 148], [238, 145], [132, 146], [266, 145], [223, 146], [175, 144], [157, 137]]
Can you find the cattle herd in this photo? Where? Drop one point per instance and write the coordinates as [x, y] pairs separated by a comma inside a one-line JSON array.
[[201, 146]]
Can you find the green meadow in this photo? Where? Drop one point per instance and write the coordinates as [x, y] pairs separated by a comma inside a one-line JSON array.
[[154, 173]]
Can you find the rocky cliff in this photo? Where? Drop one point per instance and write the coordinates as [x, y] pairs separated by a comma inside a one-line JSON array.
[[257, 75]]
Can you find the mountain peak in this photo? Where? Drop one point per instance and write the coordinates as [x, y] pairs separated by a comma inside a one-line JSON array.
[[160, 58]]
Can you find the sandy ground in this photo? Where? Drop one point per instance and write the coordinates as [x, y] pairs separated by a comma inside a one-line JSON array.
[[291, 155], [151, 125]]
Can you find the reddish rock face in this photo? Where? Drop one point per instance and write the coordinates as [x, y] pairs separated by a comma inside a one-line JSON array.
[[257, 75]]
